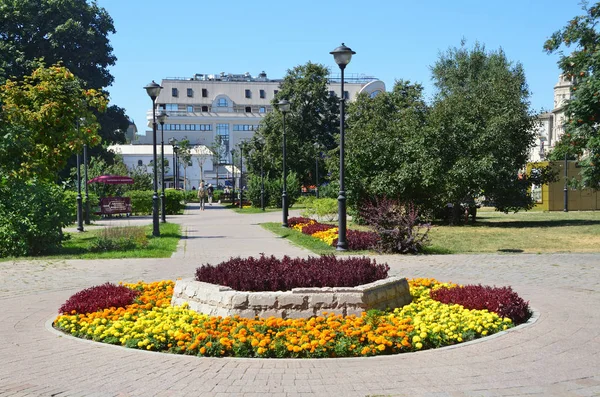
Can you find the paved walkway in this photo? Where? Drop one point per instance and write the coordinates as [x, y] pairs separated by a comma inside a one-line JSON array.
[[558, 355]]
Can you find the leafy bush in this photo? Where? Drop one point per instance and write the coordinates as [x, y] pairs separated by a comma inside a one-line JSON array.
[[274, 188], [99, 298], [70, 202], [359, 240], [174, 201], [322, 208], [120, 239], [330, 190], [271, 274], [32, 214], [502, 301], [397, 225], [141, 201]]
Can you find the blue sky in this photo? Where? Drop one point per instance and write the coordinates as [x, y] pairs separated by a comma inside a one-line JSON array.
[[393, 40]]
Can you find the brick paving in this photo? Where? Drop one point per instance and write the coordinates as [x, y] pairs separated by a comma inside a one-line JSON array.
[[558, 355]]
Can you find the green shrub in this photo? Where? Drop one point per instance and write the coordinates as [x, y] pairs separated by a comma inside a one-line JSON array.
[[274, 188], [322, 209], [141, 201], [217, 195], [32, 214], [174, 201], [70, 202], [120, 239], [331, 190], [254, 188]]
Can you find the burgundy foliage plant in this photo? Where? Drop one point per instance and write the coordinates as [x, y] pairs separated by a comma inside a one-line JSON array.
[[502, 301], [316, 227], [267, 273], [98, 298], [359, 240], [297, 219]]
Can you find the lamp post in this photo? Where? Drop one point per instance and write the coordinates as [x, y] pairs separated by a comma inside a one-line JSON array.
[[79, 202], [284, 107], [566, 190], [317, 170], [261, 146], [162, 117], [342, 56], [232, 178], [241, 175], [85, 178], [153, 90], [173, 143]]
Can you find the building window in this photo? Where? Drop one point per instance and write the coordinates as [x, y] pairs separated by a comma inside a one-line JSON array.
[[245, 127], [204, 93], [171, 107], [190, 92], [174, 92], [205, 108], [190, 109], [140, 163], [261, 109], [262, 94], [248, 94], [222, 102], [248, 109], [331, 93], [346, 95]]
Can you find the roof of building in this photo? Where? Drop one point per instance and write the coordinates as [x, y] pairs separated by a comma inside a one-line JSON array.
[[145, 150]]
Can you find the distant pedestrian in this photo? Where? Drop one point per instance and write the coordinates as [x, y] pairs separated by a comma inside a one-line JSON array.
[[210, 190], [201, 195]]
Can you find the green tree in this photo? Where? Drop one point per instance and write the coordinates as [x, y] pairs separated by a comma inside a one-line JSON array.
[[184, 154], [387, 152], [72, 31], [582, 65], [313, 118], [38, 131], [481, 128]]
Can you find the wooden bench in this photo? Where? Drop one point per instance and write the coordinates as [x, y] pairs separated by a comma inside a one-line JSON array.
[[115, 205]]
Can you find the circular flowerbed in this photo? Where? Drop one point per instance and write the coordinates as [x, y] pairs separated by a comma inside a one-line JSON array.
[[149, 322]]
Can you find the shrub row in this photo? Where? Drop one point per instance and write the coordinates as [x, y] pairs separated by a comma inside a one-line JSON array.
[[267, 273], [356, 239], [99, 298], [502, 301]]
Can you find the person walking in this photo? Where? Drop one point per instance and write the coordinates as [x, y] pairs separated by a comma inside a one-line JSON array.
[[210, 190], [201, 195]]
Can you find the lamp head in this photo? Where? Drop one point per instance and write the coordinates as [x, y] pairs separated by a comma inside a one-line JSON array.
[[283, 106], [342, 55], [162, 117], [153, 90]]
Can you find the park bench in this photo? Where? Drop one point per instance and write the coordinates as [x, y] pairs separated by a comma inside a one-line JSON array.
[[115, 205]]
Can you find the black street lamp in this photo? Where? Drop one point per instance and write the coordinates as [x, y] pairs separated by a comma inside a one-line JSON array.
[[79, 200], [241, 175], [284, 107], [232, 178], [87, 196], [342, 56], [317, 170], [566, 190], [162, 117], [153, 90], [261, 146]]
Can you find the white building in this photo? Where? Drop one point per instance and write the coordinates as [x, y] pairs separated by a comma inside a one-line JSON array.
[[552, 124], [229, 106]]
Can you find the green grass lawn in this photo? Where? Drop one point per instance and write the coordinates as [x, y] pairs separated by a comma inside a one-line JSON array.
[[77, 247], [494, 232]]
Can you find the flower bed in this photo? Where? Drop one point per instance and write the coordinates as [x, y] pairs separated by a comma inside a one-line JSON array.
[[357, 240], [151, 323]]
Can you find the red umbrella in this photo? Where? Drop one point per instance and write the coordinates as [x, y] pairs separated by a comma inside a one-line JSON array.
[[112, 180]]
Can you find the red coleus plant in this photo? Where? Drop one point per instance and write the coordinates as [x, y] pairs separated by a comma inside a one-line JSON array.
[[98, 298], [502, 301], [268, 273]]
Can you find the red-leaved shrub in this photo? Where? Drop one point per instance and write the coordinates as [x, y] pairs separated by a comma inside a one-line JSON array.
[[316, 227], [98, 298], [296, 220], [268, 273], [502, 301], [358, 240]]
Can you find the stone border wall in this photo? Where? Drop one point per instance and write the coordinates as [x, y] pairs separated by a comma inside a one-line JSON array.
[[217, 300]]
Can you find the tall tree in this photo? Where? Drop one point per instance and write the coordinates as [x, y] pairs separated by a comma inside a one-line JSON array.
[[481, 127], [386, 148], [314, 118], [38, 131], [582, 65], [72, 31]]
